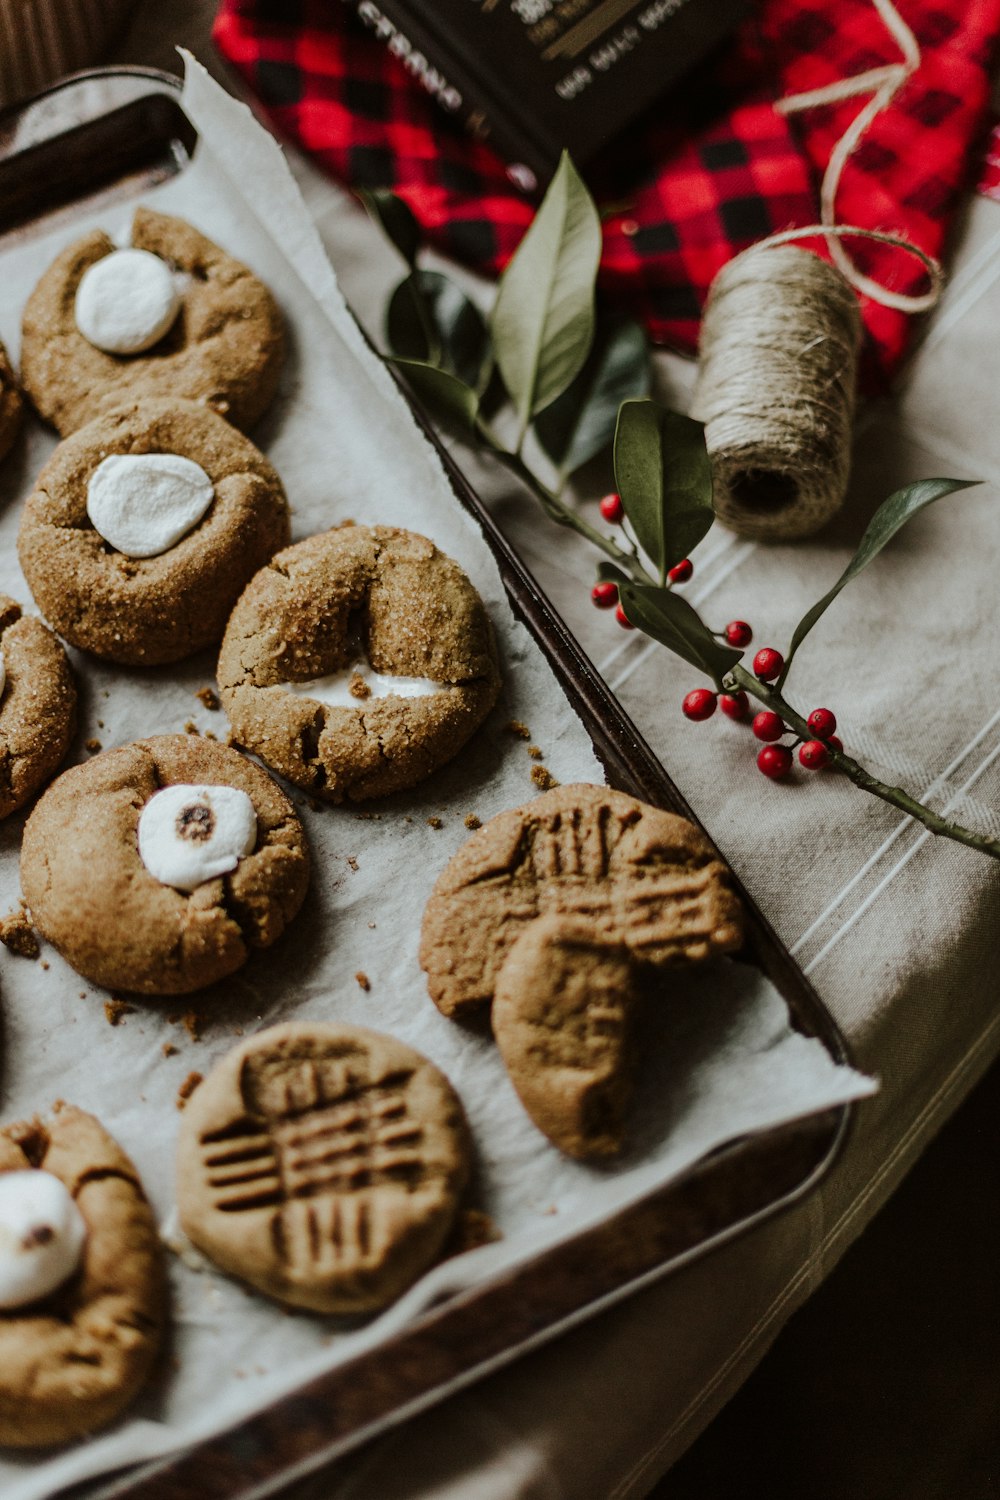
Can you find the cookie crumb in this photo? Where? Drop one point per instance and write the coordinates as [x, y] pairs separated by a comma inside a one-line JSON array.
[[191, 727], [209, 699], [471, 821], [434, 823], [208, 735], [187, 1088], [93, 746], [17, 934], [116, 1010], [191, 1021], [543, 778], [44, 964], [358, 687], [352, 861], [514, 726], [363, 980], [535, 752], [371, 925], [168, 1049]]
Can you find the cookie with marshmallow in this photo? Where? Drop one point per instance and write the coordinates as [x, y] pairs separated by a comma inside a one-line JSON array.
[[82, 1285], [143, 528], [159, 867], [37, 705], [170, 315]]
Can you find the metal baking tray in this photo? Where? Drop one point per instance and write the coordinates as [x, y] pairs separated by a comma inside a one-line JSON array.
[[113, 133]]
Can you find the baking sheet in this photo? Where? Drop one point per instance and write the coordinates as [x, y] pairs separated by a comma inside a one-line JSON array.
[[720, 1058]]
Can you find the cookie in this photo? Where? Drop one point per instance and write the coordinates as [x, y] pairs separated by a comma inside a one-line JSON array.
[[76, 1356], [37, 705], [358, 662], [562, 1018], [224, 347], [323, 1165], [11, 406], [119, 925], [126, 605], [637, 877]]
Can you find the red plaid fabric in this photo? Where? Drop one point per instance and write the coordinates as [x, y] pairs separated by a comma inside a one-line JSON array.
[[704, 175]]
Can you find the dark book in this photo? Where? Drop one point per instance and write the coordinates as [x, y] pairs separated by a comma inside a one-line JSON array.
[[535, 77]]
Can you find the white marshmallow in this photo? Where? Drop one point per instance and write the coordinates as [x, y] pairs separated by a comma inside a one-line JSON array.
[[335, 689], [143, 503], [190, 834], [42, 1234], [126, 301]]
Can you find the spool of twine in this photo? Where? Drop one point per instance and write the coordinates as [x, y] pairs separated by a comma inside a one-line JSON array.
[[775, 389]]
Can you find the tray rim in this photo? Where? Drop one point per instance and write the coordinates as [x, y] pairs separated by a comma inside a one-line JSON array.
[[620, 746]]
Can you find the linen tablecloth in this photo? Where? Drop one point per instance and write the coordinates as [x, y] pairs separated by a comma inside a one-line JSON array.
[[895, 928]]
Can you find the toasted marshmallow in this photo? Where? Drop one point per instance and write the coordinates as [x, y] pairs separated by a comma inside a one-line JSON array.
[[42, 1235], [143, 503], [190, 834]]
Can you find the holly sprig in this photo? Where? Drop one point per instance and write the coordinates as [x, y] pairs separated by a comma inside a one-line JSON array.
[[545, 381]]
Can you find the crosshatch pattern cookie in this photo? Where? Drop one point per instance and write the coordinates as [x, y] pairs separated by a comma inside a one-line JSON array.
[[93, 898], [11, 406], [37, 705], [333, 607], [636, 876], [323, 1165], [145, 611], [225, 348], [71, 1361]]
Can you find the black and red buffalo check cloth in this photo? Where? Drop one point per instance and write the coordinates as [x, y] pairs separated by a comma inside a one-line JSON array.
[[704, 174]]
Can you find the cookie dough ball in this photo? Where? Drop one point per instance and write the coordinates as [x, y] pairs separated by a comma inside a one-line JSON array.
[[144, 610], [11, 406], [224, 347], [323, 1165], [358, 662], [73, 1358], [37, 705], [636, 877], [92, 896]]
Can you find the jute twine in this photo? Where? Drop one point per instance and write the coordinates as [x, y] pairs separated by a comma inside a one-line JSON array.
[[779, 343]]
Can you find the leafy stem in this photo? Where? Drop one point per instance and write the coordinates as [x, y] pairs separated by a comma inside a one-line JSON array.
[[772, 698]]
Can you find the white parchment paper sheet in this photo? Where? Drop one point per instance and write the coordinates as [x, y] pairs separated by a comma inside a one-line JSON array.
[[720, 1060]]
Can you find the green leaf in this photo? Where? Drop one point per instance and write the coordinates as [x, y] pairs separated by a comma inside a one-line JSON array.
[[432, 320], [447, 398], [543, 317], [664, 477], [581, 422], [395, 220], [891, 515], [672, 621], [609, 572]]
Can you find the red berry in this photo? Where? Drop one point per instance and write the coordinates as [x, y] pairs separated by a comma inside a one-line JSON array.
[[822, 723], [814, 755], [768, 725], [604, 595], [623, 618], [699, 705], [775, 761], [734, 705], [612, 508], [768, 664], [834, 742], [681, 572], [738, 633]]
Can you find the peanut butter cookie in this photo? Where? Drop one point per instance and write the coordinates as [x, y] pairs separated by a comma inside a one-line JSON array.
[[76, 1227], [143, 528], [11, 406], [37, 705], [323, 1165], [224, 346], [87, 867], [357, 662]]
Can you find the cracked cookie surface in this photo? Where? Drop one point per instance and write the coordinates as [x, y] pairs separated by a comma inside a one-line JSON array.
[[70, 1362], [37, 706], [150, 610], [91, 896], [322, 1164], [412, 611], [11, 406], [225, 349]]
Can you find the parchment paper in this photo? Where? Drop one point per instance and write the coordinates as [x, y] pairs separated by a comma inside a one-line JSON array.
[[720, 1059]]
